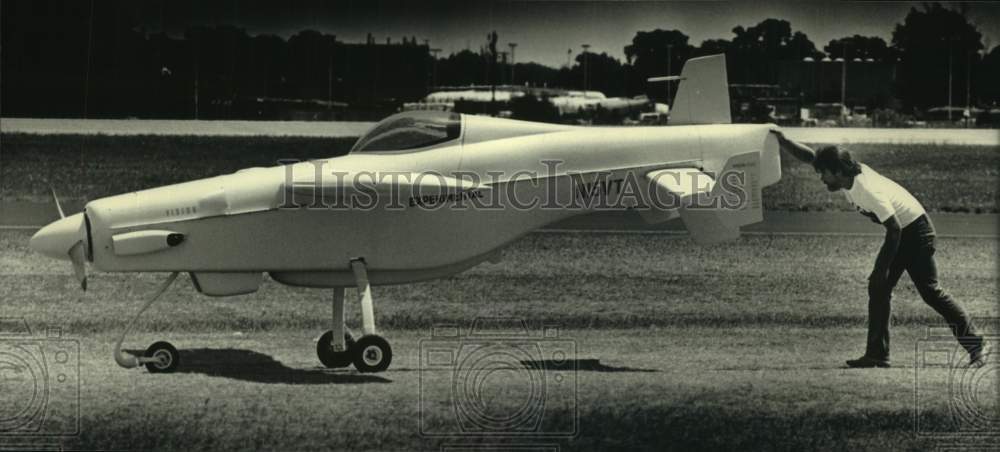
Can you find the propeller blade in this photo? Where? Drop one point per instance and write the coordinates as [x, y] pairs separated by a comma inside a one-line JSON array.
[[58, 206], [78, 255]]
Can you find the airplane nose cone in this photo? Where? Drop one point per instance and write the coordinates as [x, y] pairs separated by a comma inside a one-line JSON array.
[[56, 239]]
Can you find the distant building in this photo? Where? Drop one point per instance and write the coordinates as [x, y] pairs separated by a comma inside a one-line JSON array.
[[568, 102]]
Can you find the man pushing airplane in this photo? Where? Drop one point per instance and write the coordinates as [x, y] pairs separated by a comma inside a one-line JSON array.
[[908, 245]]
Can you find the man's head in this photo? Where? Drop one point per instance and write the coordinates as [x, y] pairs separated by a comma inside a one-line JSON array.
[[836, 168]]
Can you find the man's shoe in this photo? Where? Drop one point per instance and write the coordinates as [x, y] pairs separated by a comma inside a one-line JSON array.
[[865, 362], [977, 357]]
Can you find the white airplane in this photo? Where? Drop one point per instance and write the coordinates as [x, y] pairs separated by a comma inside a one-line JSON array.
[[422, 195]]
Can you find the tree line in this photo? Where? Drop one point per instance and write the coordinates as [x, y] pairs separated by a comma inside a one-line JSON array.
[[62, 59]]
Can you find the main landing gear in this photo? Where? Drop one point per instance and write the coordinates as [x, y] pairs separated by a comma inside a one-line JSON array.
[[337, 348]]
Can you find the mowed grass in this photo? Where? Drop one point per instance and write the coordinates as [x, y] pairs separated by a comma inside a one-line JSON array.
[[86, 167], [681, 388], [677, 347], [945, 178]]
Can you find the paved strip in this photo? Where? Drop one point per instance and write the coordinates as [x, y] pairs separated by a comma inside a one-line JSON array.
[[30, 216], [751, 233], [833, 135], [184, 127], [848, 135], [790, 223], [664, 232]]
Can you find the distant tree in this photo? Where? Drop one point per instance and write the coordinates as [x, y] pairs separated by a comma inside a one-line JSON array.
[[531, 108], [462, 68], [536, 74], [491, 57], [755, 50], [858, 46], [987, 87], [713, 47], [655, 53], [308, 59], [772, 39], [604, 71], [930, 42], [649, 51]]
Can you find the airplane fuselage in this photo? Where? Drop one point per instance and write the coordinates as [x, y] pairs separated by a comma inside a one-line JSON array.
[[246, 222]]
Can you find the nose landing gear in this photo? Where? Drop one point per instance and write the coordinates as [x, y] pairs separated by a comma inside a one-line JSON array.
[[161, 357]]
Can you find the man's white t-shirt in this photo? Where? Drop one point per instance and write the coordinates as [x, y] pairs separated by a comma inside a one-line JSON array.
[[873, 193]]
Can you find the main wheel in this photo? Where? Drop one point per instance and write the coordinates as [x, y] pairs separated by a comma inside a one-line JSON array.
[[166, 355], [330, 358], [372, 354]]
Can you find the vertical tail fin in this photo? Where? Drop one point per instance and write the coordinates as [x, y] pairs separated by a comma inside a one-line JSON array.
[[703, 94]]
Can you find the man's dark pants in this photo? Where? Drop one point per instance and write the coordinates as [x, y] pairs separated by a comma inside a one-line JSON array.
[[916, 257]]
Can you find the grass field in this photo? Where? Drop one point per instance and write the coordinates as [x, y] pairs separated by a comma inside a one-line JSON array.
[[670, 346], [675, 347], [683, 388], [944, 177]]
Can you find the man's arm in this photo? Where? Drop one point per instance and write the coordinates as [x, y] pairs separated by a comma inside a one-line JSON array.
[[798, 150], [893, 234]]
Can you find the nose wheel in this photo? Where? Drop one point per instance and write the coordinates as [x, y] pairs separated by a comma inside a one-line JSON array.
[[163, 358]]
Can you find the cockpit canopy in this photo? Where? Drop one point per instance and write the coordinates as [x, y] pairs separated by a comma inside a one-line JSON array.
[[410, 130]]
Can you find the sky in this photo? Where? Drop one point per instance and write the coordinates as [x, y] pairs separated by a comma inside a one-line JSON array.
[[545, 30]]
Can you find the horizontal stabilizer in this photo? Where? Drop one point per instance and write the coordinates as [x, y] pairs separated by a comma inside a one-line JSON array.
[[713, 209]]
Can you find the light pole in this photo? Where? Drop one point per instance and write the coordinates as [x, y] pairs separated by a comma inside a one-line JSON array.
[[503, 61], [669, 101], [812, 78], [434, 67], [512, 46], [950, 41], [949, 82], [968, 88], [586, 81], [843, 85]]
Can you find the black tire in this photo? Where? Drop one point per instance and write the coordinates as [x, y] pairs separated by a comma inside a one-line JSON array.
[[169, 357], [330, 358], [372, 354]]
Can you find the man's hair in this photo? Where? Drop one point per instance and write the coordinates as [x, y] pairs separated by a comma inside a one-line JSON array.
[[836, 161]]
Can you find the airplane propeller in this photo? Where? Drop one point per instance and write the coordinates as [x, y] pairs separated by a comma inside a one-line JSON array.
[[65, 238]]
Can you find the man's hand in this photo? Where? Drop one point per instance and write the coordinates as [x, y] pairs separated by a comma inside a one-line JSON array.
[[798, 150], [878, 281]]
